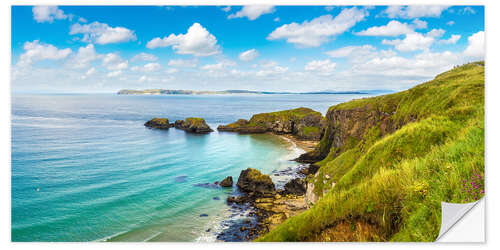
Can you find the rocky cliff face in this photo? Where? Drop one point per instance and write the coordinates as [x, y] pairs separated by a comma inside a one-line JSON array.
[[347, 127], [304, 123]]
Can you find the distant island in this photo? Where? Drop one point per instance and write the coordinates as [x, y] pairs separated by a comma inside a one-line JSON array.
[[198, 92]]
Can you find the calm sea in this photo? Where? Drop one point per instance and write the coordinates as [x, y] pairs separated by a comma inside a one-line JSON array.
[[84, 167]]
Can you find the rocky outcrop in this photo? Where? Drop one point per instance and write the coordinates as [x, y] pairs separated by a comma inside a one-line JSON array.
[[254, 183], [158, 123], [303, 123], [347, 126], [227, 182], [296, 186], [193, 125]]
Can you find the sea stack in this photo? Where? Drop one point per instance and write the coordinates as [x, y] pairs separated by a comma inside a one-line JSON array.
[[193, 125], [254, 183], [158, 123]]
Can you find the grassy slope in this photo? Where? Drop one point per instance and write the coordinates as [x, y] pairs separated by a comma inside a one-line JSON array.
[[397, 182]]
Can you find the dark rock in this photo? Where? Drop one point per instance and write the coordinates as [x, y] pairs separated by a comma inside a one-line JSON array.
[[193, 125], [216, 198], [237, 199], [208, 230], [311, 169], [203, 215], [227, 182], [254, 183], [159, 123], [296, 186]]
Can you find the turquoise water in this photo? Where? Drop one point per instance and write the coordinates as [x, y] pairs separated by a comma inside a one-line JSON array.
[[84, 167]]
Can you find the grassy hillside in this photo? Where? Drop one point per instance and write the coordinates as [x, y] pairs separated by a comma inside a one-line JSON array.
[[390, 178]]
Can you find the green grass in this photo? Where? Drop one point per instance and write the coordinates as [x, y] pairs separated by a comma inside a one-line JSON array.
[[310, 130], [398, 181], [261, 120]]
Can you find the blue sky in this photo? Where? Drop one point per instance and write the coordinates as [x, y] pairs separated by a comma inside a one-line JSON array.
[[272, 48]]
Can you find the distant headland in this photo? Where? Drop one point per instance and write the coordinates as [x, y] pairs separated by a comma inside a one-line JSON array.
[[222, 92]]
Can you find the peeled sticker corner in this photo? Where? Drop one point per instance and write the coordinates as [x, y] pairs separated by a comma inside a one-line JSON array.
[[451, 213]]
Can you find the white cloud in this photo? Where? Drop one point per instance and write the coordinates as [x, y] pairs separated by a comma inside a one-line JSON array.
[[149, 67], [252, 12], [450, 23], [393, 28], [249, 55], [350, 50], [415, 11], [226, 9], [452, 40], [276, 70], [218, 66], [476, 45], [47, 13], [411, 42], [197, 41], [144, 57], [419, 24], [91, 71], [114, 73], [84, 57], [112, 61], [82, 20], [183, 63], [36, 51], [467, 10], [323, 67], [171, 70], [319, 30], [329, 8], [276, 19], [102, 33], [435, 33]]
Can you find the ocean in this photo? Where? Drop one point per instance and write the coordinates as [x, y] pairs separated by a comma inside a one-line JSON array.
[[84, 168]]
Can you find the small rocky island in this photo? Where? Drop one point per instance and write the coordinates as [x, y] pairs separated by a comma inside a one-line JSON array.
[[159, 123], [302, 123], [191, 125]]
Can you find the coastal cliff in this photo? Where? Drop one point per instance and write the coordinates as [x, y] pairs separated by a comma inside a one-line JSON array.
[[386, 163], [303, 123]]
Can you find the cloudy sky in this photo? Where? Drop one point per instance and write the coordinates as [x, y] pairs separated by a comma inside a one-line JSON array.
[[273, 48]]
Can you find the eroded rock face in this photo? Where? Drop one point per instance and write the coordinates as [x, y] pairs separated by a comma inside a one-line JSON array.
[[254, 183], [193, 125], [296, 186], [158, 123], [344, 126], [304, 123], [227, 182]]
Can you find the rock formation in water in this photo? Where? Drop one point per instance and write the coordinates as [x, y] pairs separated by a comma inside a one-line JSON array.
[[227, 182], [193, 125], [254, 183], [158, 123]]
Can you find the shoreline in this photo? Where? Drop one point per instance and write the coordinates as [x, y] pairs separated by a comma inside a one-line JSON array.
[[264, 213]]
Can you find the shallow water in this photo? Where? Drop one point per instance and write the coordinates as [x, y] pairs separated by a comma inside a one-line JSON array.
[[85, 168]]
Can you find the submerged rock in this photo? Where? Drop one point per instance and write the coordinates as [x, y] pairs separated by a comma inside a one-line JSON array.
[[254, 183], [227, 182], [193, 125], [159, 123]]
